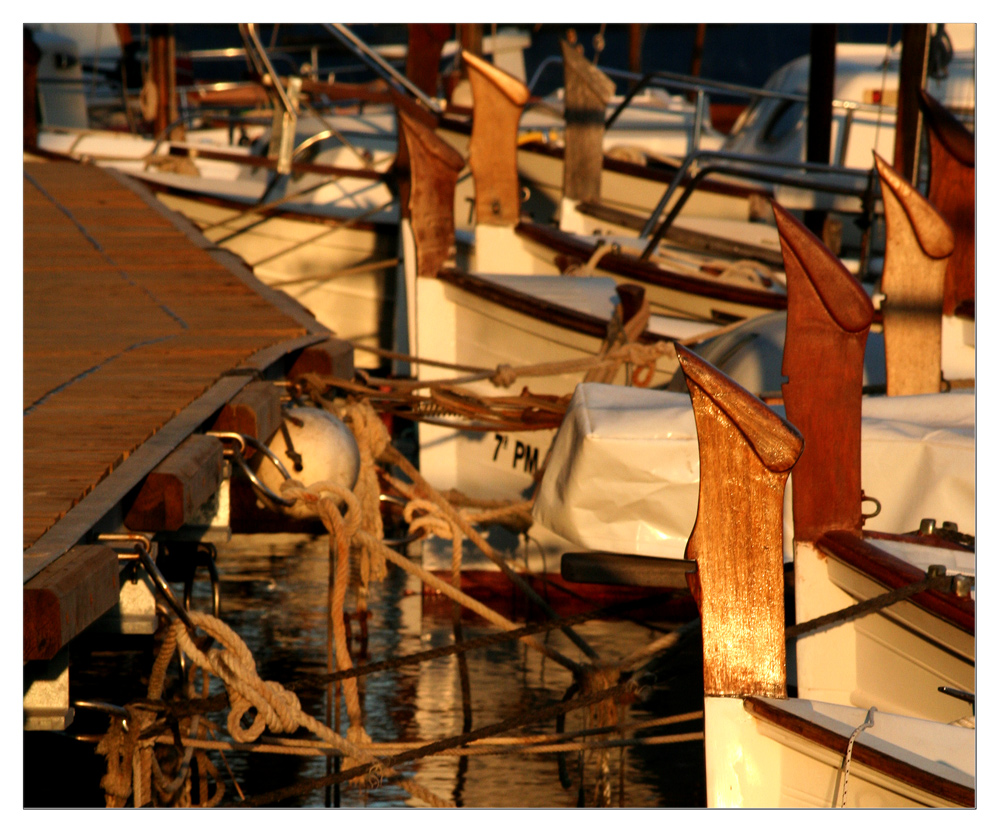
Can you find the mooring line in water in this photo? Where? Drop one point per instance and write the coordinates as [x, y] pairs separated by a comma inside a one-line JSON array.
[[494, 748], [628, 688], [395, 457], [320, 680]]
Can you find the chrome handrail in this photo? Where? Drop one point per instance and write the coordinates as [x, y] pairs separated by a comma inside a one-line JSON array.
[[704, 88], [382, 67], [745, 167]]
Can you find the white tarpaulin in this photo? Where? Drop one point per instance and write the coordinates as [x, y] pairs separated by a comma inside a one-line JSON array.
[[623, 473]]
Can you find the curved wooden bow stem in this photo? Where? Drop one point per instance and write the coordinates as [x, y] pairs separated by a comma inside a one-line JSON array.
[[918, 244], [829, 315], [952, 191], [498, 99], [746, 452], [588, 91], [434, 167]]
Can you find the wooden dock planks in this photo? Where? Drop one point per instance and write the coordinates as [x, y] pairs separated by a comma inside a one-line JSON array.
[[126, 324]]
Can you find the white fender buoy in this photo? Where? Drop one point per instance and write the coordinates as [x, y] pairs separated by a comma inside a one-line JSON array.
[[327, 449]]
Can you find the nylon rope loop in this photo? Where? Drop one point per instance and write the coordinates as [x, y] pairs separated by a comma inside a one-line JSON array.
[[867, 724]]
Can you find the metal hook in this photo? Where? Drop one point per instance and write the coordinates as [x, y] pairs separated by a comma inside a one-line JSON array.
[[143, 548], [244, 441]]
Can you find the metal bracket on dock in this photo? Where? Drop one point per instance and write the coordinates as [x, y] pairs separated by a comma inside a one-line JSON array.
[[46, 694]]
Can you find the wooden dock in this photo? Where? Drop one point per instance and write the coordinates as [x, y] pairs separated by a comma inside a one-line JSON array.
[[136, 332]]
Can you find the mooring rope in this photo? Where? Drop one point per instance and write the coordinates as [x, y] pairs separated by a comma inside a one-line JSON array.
[[622, 689], [486, 641], [872, 605], [356, 535]]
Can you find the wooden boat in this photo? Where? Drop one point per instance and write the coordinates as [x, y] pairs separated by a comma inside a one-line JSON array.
[[864, 73], [678, 283], [925, 335], [488, 320], [772, 129], [762, 749], [899, 659], [308, 204]]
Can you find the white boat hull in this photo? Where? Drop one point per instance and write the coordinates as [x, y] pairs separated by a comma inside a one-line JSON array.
[[752, 762]]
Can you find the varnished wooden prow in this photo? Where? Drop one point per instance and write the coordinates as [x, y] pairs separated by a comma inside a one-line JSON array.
[[952, 191], [829, 316], [434, 167], [498, 100], [588, 91], [918, 245], [746, 452]]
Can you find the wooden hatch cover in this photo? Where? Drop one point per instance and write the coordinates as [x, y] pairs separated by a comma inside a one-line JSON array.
[[498, 100], [829, 316], [918, 245], [746, 452], [952, 191]]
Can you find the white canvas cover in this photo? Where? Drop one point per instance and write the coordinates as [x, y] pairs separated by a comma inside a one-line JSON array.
[[623, 472]]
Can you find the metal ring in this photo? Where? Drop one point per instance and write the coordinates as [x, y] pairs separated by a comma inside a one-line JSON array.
[[208, 560], [244, 441], [259, 485], [878, 506]]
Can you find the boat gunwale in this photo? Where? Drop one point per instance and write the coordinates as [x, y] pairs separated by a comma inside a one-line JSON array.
[[646, 272], [862, 754], [524, 303], [864, 555]]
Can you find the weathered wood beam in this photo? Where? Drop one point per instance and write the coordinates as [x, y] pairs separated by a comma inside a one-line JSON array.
[[952, 191], [819, 127], [434, 168], [333, 357], [66, 597], [912, 77], [173, 492], [254, 411], [423, 54], [588, 91]]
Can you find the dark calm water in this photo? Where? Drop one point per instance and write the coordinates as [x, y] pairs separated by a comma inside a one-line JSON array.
[[274, 596], [274, 590]]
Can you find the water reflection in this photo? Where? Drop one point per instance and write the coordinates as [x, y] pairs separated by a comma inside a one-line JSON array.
[[274, 594]]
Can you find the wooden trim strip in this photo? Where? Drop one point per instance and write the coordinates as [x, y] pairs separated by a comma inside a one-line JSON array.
[[863, 754], [864, 555], [629, 266], [535, 307], [297, 167]]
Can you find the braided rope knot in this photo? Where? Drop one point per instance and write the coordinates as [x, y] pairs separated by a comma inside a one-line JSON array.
[[276, 707], [434, 522], [504, 377]]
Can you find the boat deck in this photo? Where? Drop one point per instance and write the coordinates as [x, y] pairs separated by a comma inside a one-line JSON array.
[[135, 331]]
